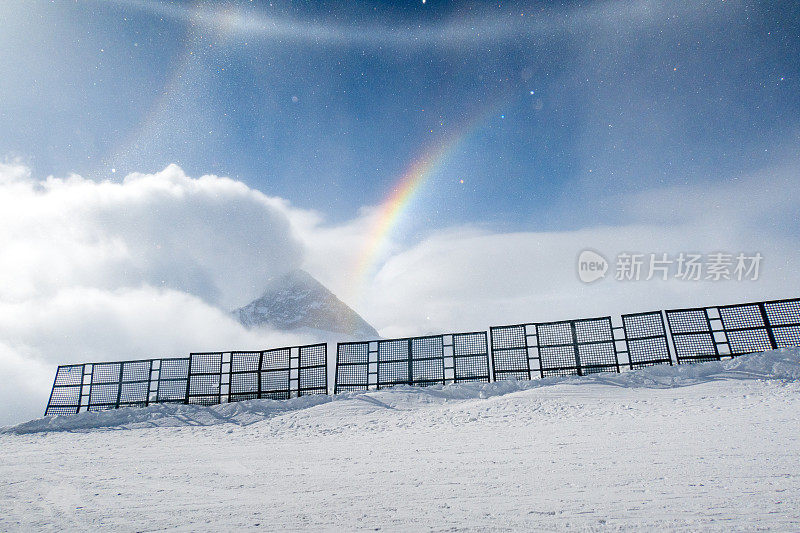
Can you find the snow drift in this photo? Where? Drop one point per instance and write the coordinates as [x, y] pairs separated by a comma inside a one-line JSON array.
[[783, 364]]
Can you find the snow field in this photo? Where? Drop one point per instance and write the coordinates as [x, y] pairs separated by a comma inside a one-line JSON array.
[[710, 447]]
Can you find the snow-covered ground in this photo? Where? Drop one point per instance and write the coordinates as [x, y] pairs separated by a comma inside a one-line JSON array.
[[710, 447]]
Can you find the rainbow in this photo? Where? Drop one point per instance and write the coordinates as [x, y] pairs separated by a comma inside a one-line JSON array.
[[406, 189], [401, 196]]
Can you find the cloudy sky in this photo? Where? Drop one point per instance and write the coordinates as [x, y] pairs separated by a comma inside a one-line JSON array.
[[438, 166]]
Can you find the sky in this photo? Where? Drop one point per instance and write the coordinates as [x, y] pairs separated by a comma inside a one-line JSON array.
[[440, 166]]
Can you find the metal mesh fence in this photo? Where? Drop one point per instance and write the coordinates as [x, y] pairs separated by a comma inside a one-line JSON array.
[[710, 333], [65, 398], [567, 347], [692, 335], [646, 339], [279, 373], [202, 378], [470, 357], [205, 378], [512, 350], [173, 380], [520, 351], [429, 360], [313, 369]]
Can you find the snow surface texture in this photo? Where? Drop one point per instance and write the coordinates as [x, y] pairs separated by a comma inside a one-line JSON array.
[[297, 301], [712, 446]]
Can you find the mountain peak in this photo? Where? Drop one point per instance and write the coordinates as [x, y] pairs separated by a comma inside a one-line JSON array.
[[296, 300]]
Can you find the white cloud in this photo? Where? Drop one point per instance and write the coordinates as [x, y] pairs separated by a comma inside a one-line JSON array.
[[142, 268], [465, 278], [212, 237]]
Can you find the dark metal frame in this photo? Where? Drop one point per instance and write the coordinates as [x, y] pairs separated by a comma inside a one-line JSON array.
[[697, 334], [645, 338], [300, 375], [711, 333], [120, 384], [568, 343], [169, 388], [416, 361], [54, 406], [201, 387]]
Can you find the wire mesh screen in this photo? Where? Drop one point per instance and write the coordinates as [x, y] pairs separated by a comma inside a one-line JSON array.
[[394, 363], [205, 373], [134, 390], [646, 339], [567, 347], [120, 384], [579, 347], [268, 373], [275, 373], [244, 376], [692, 335], [429, 360], [783, 317], [470, 357], [352, 366], [745, 328], [173, 380], [65, 398], [313, 369], [104, 388], [510, 349], [708, 333]]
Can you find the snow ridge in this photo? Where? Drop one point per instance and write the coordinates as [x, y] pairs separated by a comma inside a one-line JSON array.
[[780, 365]]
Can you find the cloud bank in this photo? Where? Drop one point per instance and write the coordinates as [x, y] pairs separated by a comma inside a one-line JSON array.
[[145, 267]]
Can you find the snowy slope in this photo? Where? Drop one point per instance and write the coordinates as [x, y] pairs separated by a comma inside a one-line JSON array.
[[298, 302], [711, 447]]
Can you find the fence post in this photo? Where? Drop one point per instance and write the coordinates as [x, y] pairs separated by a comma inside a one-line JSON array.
[[410, 362], [767, 325], [119, 386], [188, 379], [575, 346]]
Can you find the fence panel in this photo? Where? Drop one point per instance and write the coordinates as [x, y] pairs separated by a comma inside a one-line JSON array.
[[783, 318], [66, 395], [692, 335], [470, 357], [275, 374], [352, 366], [205, 378], [119, 384], [567, 347], [581, 347], [745, 328], [710, 333], [428, 360], [173, 380], [512, 349], [104, 388], [279, 373], [245, 383], [313, 369], [646, 338]]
